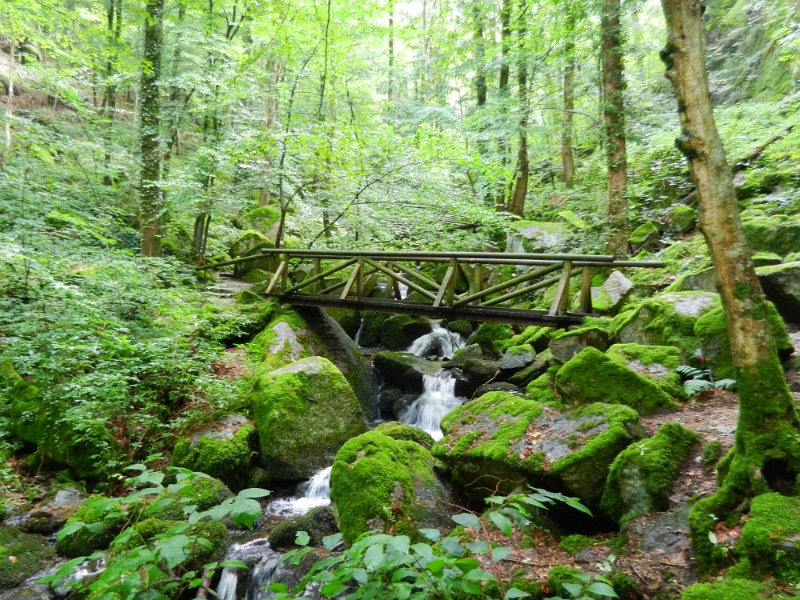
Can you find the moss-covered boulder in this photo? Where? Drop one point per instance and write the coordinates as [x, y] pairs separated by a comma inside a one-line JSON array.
[[711, 332], [409, 433], [666, 320], [766, 259], [371, 329], [22, 555], [539, 236], [700, 281], [654, 362], [644, 237], [491, 337], [404, 370], [295, 334], [378, 482], [203, 493], [781, 285], [538, 367], [461, 327], [731, 589], [640, 478], [264, 219], [246, 242], [86, 540], [570, 343], [591, 376], [348, 320], [222, 449], [398, 332], [85, 447], [475, 373], [505, 440], [775, 233], [304, 413], [208, 540], [770, 537], [534, 335], [683, 218], [257, 276], [317, 523], [517, 358], [608, 298]]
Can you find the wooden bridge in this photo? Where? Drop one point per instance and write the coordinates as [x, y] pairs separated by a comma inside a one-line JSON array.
[[348, 279]]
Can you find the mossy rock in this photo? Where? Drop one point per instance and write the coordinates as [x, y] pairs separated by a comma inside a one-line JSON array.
[[490, 337], [711, 331], [537, 336], [263, 219], [260, 261], [317, 523], [246, 241], [644, 236], [701, 281], [736, 589], [769, 537], [591, 376], [399, 331], [666, 320], [575, 543], [378, 482], [32, 553], [404, 370], [402, 431], [296, 334], [461, 327], [683, 218], [148, 531], [539, 236], [85, 541], [781, 285], [348, 320], [371, 328], [222, 449], [257, 276], [533, 371], [654, 362], [567, 344], [777, 234], [766, 259], [640, 479], [304, 413], [506, 440], [85, 447]]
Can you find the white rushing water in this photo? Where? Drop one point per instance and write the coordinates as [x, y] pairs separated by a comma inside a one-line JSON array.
[[439, 342], [315, 492], [437, 399], [263, 564], [438, 391]]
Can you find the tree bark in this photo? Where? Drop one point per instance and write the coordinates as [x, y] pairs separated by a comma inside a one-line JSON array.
[[567, 160], [480, 54], [114, 16], [614, 121], [390, 84], [517, 204], [150, 129], [767, 452]]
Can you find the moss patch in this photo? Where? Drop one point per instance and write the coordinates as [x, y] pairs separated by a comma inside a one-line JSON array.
[[591, 376], [769, 536], [490, 337], [401, 431], [85, 541], [737, 589], [32, 553]]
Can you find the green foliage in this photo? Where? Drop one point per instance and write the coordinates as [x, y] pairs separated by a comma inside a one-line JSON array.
[[700, 380], [393, 567], [150, 555]]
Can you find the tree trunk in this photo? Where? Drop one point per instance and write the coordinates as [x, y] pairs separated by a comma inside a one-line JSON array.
[[480, 54], [9, 108], [390, 85], [150, 126], [114, 32], [567, 160], [517, 204], [505, 73], [767, 451], [614, 120]]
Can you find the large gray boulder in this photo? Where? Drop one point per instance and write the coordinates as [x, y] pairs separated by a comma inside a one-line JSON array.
[[404, 370], [609, 297], [304, 413], [536, 236], [781, 285]]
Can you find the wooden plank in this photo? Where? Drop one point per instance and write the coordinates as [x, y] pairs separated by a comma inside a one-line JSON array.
[[506, 284], [278, 274], [586, 291], [321, 275], [339, 284], [451, 285], [360, 278], [389, 291], [317, 287], [450, 274], [530, 288], [472, 313], [410, 284], [350, 282], [561, 299], [477, 279], [418, 276]]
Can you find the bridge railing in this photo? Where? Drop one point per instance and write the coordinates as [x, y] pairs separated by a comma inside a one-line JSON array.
[[361, 268]]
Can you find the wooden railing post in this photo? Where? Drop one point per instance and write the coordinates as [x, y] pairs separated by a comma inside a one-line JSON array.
[[360, 278], [285, 273], [561, 299], [586, 291], [317, 287], [389, 292], [451, 286], [477, 279]]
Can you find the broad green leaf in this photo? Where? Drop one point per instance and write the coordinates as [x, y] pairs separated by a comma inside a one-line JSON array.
[[399, 543], [432, 534], [499, 554], [332, 588], [513, 593], [302, 538], [467, 520], [331, 541], [478, 547], [602, 589], [452, 546], [573, 589], [374, 557], [503, 523], [360, 575], [253, 493], [70, 529], [435, 566], [479, 575]]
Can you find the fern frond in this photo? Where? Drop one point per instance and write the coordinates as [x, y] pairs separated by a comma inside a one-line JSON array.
[[690, 372], [695, 386], [725, 384]]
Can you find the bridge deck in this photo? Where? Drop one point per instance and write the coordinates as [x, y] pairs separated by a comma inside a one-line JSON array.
[[470, 313]]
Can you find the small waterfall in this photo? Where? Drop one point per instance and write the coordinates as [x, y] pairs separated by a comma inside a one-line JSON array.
[[262, 562], [357, 339], [437, 399], [440, 342], [315, 493]]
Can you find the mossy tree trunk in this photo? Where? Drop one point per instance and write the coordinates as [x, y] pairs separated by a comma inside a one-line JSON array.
[[767, 453], [614, 121], [150, 193], [567, 161], [520, 189]]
